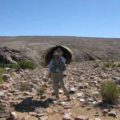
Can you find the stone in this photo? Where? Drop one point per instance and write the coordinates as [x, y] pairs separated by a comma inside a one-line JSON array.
[[88, 108], [117, 80], [2, 118], [5, 77], [13, 103], [72, 82], [90, 100], [11, 79], [32, 113], [7, 69], [39, 114], [43, 118], [81, 118], [43, 96], [5, 86], [94, 102], [97, 119], [103, 75], [96, 114], [72, 90], [4, 114], [4, 102], [66, 117], [94, 82], [39, 110], [82, 100], [10, 60], [60, 91], [13, 116], [105, 111], [81, 94], [45, 78], [112, 113], [80, 86], [62, 103], [26, 93], [86, 85], [95, 93], [34, 91], [13, 91], [82, 78], [67, 106], [2, 94]]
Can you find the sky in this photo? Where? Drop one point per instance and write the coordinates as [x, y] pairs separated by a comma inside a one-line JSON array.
[[90, 18]]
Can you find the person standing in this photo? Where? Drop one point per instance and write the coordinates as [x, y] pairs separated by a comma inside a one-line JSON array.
[[56, 68]]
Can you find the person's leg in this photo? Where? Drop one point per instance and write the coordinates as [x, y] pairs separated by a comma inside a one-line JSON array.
[[63, 85], [55, 79]]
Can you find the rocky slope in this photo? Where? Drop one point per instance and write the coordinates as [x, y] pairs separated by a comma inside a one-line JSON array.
[[28, 94], [84, 48]]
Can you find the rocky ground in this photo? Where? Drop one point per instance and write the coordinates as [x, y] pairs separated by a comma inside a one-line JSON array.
[[27, 94]]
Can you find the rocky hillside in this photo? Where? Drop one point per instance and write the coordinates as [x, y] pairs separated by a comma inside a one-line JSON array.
[[84, 48]]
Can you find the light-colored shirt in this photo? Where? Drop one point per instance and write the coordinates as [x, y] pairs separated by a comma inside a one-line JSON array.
[[51, 62]]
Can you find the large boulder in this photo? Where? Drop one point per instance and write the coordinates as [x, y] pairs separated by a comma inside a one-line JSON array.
[[8, 55]]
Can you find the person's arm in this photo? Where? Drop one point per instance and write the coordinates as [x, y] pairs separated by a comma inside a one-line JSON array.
[[64, 64], [49, 68], [63, 59]]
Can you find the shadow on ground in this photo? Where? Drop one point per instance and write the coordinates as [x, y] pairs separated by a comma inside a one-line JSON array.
[[29, 105], [105, 105]]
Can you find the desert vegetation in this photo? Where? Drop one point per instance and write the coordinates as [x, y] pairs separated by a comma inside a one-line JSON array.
[[26, 64], [111, 64], [1, 72], [110, 91]]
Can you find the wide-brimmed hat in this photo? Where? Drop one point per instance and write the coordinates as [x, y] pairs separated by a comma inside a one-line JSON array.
[[67, 53]]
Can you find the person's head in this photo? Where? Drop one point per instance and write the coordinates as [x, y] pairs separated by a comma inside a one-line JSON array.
[[59, 51], [56, 55]]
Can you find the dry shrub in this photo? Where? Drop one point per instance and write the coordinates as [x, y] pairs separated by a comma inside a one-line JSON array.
[[1, 72], [110, 91], [110, 64]]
